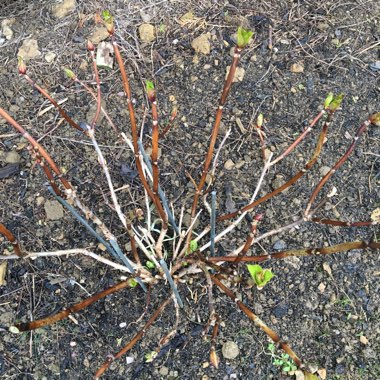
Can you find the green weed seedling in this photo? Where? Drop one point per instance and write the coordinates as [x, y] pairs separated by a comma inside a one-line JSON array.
[[284, 362], [260, 275]]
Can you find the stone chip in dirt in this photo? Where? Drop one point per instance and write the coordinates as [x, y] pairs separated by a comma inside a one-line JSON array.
[[64, 8], [12, 157], [6, 28], [230, 350], [201, 44], [99, 34], [147, 33], [239, 74], [229, 164], [297, 68], [104, 55], [29, 49], [53, 210], [3, 272], [324, 170], [6, 318], [279, 245], [50, 57]]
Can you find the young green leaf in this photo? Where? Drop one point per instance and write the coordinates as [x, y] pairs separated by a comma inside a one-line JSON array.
[[149, 85], [260, 276], [260, 120], [329, 99], [375, 119], [193, 246], [150, 356], [244, 37], [271, 347], [150, 265], [70, 74], [336, 102], [107, 17], [132, 283], [108, 21], [21, 65]]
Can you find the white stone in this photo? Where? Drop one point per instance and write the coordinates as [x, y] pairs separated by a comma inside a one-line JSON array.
[[29, 49], [239, 74], [63, 8], [201, 44], [147, 33], [50, 57], [230, 350]]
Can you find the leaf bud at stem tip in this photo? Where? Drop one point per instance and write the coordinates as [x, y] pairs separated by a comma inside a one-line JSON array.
[[260, 120], [375, 119], [21, 66], [90, 46], [70, 74]]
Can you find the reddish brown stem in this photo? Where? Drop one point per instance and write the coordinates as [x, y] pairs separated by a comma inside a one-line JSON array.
[[133, 341], [133, 242], [132, 118], [36, 146], [213, 355], [299, 138], [300, 252], [48, 173], [12, 239], [73, 309], [307, 167], [248, 242], [340, 162], [170, 123], [258, 322], [92, 93], [52, 101], [341, 223], [215, 131]]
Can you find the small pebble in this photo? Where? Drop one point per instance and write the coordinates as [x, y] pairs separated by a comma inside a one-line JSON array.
[[229, 164], [324, 170], [230, 350], [297, 68], [279, 245]]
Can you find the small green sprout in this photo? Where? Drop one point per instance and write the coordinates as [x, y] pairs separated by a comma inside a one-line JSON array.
[[260, 120], [244, 37], [285, 362], [108, 21], [301, 86], [193, 246], [150, 90], [69, 73], [150, 265], [328, 100], [21, 65], [149, 85], [107, 17], [260, 275], [150, 356], [336, 102], [132, 283]]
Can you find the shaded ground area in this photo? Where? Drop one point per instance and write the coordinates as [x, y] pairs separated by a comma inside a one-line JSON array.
[[327, 308]]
